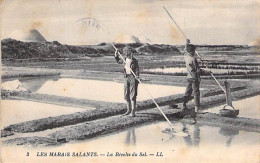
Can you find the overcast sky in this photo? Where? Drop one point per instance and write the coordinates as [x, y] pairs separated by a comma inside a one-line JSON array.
[[203, 21]]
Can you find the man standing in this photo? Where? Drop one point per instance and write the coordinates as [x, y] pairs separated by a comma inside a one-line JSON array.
[[131, 83], [193, 76]]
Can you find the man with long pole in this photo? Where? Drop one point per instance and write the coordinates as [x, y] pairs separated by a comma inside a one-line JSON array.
[[137, 78], [193, 76], [193, 71], [131, 83]]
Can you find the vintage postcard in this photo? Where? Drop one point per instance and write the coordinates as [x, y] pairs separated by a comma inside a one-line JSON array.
[[130, 81]]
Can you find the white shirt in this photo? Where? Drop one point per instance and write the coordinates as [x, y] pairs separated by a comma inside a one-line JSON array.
[[127, 66]]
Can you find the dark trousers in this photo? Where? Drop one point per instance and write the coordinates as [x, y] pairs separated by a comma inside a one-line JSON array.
[[130, 88], [193, 86]]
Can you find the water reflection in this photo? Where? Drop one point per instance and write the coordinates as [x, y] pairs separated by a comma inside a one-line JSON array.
[[193, 137], [229, 133], [130, 137], [36, 83]]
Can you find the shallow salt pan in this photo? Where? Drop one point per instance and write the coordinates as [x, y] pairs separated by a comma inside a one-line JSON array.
[[202, 144], [103, 90], [221, 142], [16, 111]]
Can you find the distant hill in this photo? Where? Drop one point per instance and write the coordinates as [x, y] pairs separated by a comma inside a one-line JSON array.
[[42, 49], [22, 50], [225, 48], [158, 49]]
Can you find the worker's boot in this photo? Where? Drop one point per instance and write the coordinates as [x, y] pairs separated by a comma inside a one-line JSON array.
[[133, 108], [128, 108]]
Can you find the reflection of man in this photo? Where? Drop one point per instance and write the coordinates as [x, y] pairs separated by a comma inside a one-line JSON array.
[[131, 83], [128, 140], [193, 138], [193, 76]]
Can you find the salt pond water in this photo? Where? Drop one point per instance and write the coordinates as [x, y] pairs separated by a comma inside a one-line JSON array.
[[16, 111], [184, 70], [97, 90], [249, 107], [203, 144], [168, 70]]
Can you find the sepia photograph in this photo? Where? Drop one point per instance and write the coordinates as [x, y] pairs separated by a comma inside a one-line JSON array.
[[130, 81]]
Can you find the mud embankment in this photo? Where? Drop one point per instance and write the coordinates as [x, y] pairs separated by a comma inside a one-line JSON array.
[[34, 141], [102, 110], [89, 129], [111, 124], [61, 100], [247, 76], [95, 128], [14, 75]]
